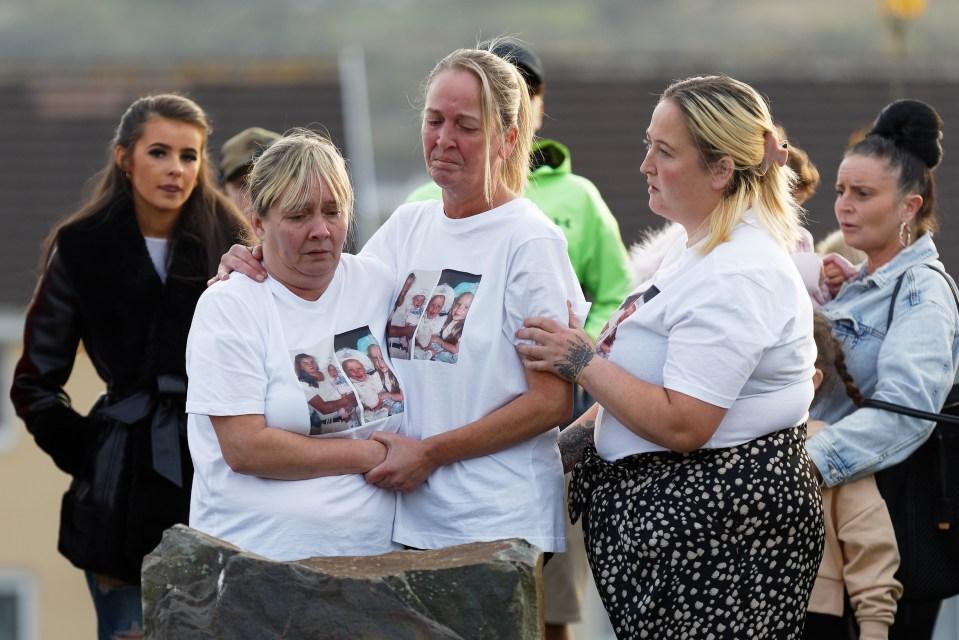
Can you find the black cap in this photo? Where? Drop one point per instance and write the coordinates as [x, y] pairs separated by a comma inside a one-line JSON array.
[[525, 60]]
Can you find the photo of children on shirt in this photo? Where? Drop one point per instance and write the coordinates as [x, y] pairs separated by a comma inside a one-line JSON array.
[[347, 383], [608, 335], [407, 310], [430, 314]]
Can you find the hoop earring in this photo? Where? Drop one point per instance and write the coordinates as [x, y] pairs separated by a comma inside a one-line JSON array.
[[905, 235]]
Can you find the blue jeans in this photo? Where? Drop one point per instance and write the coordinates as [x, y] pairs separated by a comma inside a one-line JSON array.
[[119, 609]]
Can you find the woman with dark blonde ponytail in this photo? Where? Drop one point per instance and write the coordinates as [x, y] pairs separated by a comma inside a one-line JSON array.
[[690, 472]]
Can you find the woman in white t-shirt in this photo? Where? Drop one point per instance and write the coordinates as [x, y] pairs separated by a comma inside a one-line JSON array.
[[701, 511], [266, 479], [477, 459]]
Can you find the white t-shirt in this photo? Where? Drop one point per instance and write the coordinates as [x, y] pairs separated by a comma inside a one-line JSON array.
[[157, 248], [514, 260], [732, 328], [240, 360]]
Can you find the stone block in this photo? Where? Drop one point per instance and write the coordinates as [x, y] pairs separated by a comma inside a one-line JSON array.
[[196, 586]]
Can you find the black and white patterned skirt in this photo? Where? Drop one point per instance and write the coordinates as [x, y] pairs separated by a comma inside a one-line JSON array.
[[717, 543]]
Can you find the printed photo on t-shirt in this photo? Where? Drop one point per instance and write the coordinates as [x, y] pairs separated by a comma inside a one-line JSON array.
[[332, 404], [409, 306], [430, 314], [347, 383], [604, 343], [368, 372]]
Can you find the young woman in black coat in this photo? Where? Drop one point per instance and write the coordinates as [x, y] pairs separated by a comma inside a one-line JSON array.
[[123, 275]]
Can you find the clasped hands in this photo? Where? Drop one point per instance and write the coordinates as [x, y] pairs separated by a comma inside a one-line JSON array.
[[406, 466]]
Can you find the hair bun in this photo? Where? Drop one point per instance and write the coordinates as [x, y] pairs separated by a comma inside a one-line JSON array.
[[914, 126]]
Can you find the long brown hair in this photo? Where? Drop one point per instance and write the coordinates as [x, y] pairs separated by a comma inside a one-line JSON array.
[[830, 358], [207, 215]]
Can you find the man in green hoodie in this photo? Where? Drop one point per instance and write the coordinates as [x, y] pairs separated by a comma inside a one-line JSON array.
[[604, 271]]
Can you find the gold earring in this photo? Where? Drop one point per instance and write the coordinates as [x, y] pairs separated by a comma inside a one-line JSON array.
[[905, 235]]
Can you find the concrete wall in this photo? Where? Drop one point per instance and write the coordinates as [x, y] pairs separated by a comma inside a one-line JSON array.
[[56, 603]]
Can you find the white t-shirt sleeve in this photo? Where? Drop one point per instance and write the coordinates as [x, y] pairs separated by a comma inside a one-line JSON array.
[[225, 356], [719, 336], [383, 244], [540, 281]]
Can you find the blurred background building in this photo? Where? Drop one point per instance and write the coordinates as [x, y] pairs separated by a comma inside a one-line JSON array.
[[354, 68]]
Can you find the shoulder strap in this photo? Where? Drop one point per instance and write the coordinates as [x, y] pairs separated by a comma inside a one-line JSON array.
[[895, 291], [895, 408], [906, 411]]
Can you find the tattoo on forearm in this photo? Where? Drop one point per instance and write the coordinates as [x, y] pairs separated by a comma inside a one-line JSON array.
[[573, 442], [575, 360]]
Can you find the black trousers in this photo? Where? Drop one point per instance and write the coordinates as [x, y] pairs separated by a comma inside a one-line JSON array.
[[915, 621], [821, 626]]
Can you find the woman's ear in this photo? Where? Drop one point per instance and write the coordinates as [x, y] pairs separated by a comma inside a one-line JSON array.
[[723, 173], [509, 141], [120, 157], [911, 204], [817, 379], [257, 223]]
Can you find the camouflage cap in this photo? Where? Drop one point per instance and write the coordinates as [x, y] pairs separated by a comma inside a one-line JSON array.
[[242, 149]]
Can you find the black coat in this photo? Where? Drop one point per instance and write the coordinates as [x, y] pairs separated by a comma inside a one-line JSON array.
[[101, 287]]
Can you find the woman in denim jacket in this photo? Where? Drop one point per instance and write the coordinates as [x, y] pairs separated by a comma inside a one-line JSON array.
[[885, 205]]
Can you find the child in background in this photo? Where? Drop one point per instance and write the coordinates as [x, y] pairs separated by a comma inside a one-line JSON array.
[[860, 557]]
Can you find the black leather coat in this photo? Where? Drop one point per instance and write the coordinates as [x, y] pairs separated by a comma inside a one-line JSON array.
[[100, 287]]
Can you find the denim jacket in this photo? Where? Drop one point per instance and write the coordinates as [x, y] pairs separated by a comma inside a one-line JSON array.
[[912, 364]]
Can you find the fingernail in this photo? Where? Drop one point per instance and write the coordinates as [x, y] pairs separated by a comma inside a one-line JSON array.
[[260, 277]]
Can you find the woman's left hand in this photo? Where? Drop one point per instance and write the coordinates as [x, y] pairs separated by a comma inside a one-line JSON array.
[[240, 258], [407, 463], [563, 351]]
